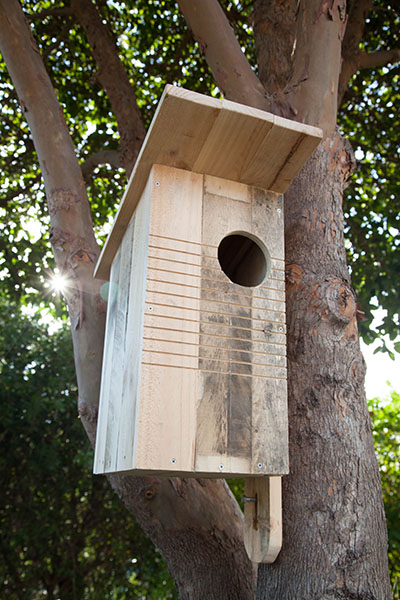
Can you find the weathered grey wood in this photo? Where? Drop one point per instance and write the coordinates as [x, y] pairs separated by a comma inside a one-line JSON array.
[[263, 518], [195, 382]]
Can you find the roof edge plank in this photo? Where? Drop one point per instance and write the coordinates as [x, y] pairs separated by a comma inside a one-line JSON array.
[[222, 138]]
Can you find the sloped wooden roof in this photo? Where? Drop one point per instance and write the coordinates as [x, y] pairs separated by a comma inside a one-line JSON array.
[[203, 134]]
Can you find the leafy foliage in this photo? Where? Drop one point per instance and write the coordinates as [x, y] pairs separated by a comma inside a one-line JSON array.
[[386, 432], [63, 532], [370, 117]]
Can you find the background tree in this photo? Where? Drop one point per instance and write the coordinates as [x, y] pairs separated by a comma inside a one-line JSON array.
[[57, 521], [109, 60]]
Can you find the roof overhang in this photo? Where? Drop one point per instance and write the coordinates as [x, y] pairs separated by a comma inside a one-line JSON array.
[[216, 137]]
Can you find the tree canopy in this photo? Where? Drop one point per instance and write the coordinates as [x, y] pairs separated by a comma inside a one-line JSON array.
[[104, 66], [156, 47]]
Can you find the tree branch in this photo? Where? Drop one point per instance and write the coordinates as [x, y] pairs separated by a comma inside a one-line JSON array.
[[351, 43], [114, 79], [71, 233], [378, 59], [62, 11], [110, 157], [229, 66]]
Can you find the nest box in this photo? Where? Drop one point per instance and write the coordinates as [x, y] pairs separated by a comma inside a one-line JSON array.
[[194, 368]]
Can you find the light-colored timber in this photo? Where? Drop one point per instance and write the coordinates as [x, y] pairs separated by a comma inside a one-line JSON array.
[[215, 137], [194, 367], [263, 518], [194, 376]]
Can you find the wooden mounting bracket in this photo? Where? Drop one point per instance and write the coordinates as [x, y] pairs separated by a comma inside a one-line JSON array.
[[263, 518]]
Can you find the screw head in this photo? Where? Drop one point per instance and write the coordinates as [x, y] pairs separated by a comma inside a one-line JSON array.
[[221, 467], [150, 308], [157, 183], [173, 460], [280, 328], [259, 465]]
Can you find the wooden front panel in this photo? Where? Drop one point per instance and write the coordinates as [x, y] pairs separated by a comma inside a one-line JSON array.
[[167, 416], [242, 412], [194, 375]]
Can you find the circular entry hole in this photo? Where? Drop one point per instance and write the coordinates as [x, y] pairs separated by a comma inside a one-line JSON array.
[[243, 259]]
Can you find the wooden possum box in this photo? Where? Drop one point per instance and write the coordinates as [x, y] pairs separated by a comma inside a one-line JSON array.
[[194, 367]]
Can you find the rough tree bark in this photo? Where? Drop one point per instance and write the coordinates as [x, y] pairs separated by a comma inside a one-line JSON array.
[[332, 502], [334, 544]]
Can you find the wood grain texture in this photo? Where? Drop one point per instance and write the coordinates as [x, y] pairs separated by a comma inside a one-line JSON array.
[[119, 399], [195, 382], [263, 518], [167, 416], [242, 367], [216, 137]]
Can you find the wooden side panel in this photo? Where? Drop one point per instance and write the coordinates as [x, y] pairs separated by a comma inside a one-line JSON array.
[[122, 355], [242, 412], [167, 416]]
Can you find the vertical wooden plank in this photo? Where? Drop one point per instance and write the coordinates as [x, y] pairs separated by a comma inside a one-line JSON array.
[[223, 442], [242, 413], [167, 414], [136, 276], [101, 435], [114, 356], [263, 518], [270, 423]]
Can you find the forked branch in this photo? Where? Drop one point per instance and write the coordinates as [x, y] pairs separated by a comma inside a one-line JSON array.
[[113, 77], [217, 41]]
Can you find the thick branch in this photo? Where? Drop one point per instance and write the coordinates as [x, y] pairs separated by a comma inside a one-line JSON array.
[[216, 40], [351, 43], [114, 79], [74, 245], [103, 157], [379, 59]]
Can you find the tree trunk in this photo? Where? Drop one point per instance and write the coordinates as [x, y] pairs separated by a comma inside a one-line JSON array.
[[335, 541], [197, 525], [335, 544], [334, 530]]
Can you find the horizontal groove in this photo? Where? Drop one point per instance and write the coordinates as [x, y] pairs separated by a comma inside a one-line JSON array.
[[203, 289], [226, 280], [216, 335], [180, 319], [217, 372], [164, 237], [212, 359], [228, 349], [201, 255], [213, 312], [175, 250], [269, 277], [179, 262], [200, 299]]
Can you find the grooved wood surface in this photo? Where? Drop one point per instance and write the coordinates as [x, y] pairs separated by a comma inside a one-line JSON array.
[[203, 358]]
